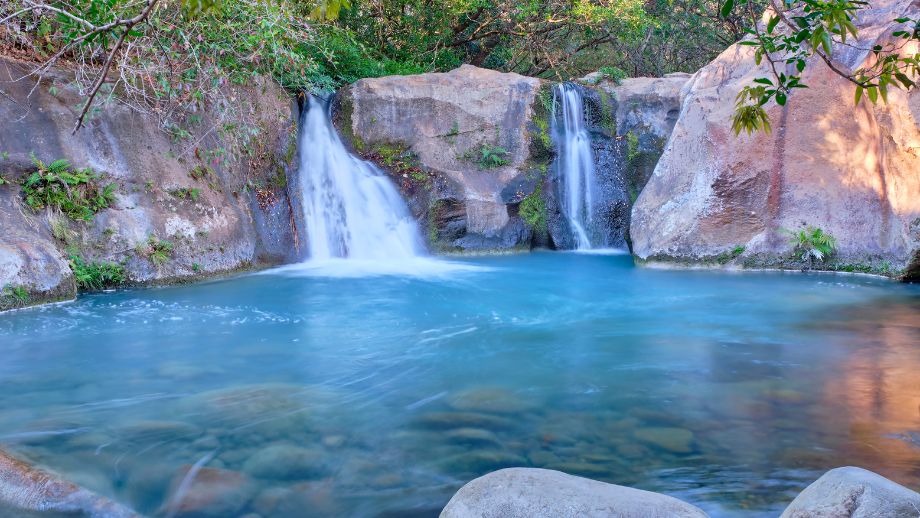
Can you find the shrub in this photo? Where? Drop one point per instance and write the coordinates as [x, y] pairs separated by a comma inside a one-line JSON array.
[[533, 210], [486, 156], [96, 276], [614, 74], [13, 296], [74, 192], [186, 192], [812, 244], [159, 251]]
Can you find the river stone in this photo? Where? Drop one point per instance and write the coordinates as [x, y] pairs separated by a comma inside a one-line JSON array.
[[473, 437], [854, 493], [490, 400], [449, 420], [537, 493], [210, 493], [29, 491], [481, 461], [286, 462], [674, 440]]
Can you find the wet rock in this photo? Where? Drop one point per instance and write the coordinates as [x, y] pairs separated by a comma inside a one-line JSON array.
[[472, 437], [674, 440], [26, 490], [538, 493], [584, 469], [448, 420], [489, 400], [304, 499], [208, 493], [543, 458], [482, 461], [145, 431], [286, 462], [854, 493]]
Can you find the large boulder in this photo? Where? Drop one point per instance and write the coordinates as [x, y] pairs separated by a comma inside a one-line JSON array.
[[459, 144], [850, 170], [853, 493], [26, 491], [216, 194], [536, 493]]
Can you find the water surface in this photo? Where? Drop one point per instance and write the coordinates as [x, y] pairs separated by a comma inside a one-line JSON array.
[[312, 390]]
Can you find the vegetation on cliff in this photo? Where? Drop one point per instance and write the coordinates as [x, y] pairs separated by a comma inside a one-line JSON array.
[[166, 57]]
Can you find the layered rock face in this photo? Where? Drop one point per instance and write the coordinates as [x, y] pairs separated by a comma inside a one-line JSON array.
[[460, 144], [848, 170], [219, 207]]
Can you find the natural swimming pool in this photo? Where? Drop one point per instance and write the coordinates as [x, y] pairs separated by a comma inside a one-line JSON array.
[[354, 395]]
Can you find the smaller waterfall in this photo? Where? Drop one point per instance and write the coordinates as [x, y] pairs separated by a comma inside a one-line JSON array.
[[351, 209], [576, 164]]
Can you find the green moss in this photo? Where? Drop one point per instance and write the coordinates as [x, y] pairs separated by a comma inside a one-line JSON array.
[[632, 146], [533, 210], [608, 115]]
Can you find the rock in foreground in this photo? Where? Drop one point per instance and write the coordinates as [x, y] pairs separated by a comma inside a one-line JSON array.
[[27, 491], [534, 493], [853, 493]]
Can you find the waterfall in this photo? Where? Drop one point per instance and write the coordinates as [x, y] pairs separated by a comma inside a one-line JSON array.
[[351, 209], [576, 164]]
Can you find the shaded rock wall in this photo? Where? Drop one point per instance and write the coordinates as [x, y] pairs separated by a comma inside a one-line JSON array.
[[851, 171], [240, 216]]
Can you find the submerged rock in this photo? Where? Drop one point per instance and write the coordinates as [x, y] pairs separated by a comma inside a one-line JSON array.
[[674, 440], [29, 491], [208, 493], [538, 493], [472, 436], [490, 400], [854, 493], [448, 420], [286, 462]]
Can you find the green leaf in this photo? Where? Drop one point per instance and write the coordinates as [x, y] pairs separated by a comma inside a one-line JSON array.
[[727, 8], [772, 24], [780, 98], [859, 94]]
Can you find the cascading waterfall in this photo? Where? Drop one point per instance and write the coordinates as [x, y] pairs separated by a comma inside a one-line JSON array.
[[576, 164], [351, 209]]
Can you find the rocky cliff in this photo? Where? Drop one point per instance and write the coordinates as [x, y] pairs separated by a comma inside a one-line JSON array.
[[157, 204], [473, 150], [716, 198], [462, 146]]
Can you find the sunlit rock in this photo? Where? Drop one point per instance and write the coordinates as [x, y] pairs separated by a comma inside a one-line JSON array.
[[538, 493], [854, 493]]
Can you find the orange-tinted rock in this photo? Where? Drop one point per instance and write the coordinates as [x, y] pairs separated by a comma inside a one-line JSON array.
[[849, 170]]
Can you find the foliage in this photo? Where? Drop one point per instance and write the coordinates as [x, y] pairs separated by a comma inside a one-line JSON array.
[[14, 295], [486, 156], [159, 251], [186, 193], [812, 244], [632, 146], [795, 31], [75, 192], [615, 74], [96, 276], [533, 210]]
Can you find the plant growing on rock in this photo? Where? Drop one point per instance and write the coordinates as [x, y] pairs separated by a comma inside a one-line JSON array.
[[487, 156], [795, 31], [533, 210], [75, 192], [159, 251], [812, 244], [14, 296], [96, 276]]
